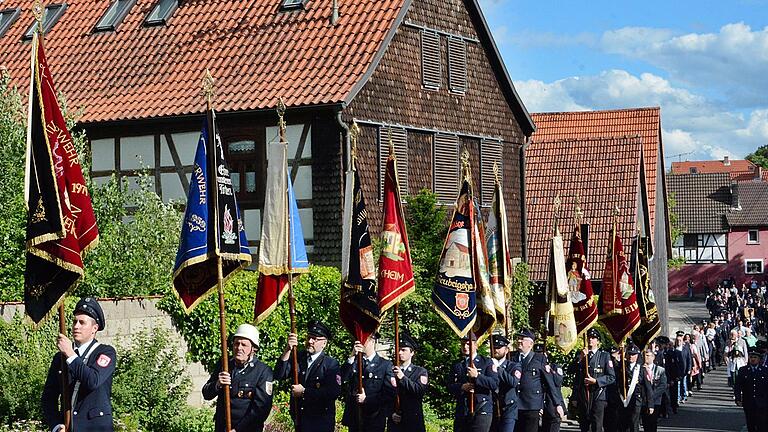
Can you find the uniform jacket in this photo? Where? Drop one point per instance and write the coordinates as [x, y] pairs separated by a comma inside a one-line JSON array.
[[635, 398], [673, 364], [250, 396], [535, 382], [652, 390], [379, 391], [555, 397], [687, 358], [322, 386], [751, 387], [411, 390], [601, 369], [505, 397], [92, 410], [486, 383]]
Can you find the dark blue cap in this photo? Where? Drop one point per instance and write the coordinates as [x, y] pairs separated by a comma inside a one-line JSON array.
[[593, 333], [526, 333], [90, 307], [499, 341], [406, 341], [316, 328]]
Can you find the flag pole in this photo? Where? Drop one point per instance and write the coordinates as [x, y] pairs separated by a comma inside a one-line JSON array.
[[291, 297], [208, 91], [465, 174], [396, 308]]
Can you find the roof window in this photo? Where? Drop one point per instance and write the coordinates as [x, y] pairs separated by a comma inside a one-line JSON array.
[[52, 14], [7, 17], [292, 4], [161, 13], [114, 15]]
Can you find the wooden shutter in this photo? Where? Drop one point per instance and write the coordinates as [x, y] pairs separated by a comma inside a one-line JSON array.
[[490, 154], [457, 65], [431, 72], [446, 167], [400, 141]]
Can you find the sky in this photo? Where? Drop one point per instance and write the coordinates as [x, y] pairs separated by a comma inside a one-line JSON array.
[[705, 63]]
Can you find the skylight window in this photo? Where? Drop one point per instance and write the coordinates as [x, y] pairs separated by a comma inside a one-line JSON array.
[[52, 14], [8, 17], [161, 13], [292, 4], [114, 15]]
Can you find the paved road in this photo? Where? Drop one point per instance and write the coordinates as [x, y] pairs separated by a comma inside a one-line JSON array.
[[710, 410]]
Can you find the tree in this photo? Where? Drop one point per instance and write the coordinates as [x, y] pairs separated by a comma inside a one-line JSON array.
[[676, 230], [759, 157]]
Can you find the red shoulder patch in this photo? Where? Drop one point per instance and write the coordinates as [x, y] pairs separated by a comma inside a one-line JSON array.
[[518, 374], [103, 360]]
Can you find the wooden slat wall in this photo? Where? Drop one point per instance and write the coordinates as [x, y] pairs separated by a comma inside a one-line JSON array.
[[399, 137], [457, 65], [446, 167], [490, 154], [431, 69]]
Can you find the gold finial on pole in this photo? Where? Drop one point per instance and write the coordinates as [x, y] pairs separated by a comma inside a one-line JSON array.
[[391, 143], [281, 117], [556, 204], [38, 11], [578, 214], [496, 172], [208, 87], [354, 132]]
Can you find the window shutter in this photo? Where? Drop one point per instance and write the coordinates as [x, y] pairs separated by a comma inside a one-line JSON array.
[[457, 65], [446, 167], [400, 142], [430, 60], [490, 154]]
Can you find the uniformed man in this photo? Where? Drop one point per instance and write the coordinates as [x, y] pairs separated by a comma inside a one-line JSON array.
[[613, 394], [536, 381], [249, 381], [476, 378], [90, 366], [314, 397], [590, 383], [367, 410], [505, 397], [751, 391], [554, 403], [629, 417], [411, 385]]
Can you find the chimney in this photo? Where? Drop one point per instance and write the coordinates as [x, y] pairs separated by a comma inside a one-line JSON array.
[[726, 161], [758, 173], [735, 196], [335, 13]]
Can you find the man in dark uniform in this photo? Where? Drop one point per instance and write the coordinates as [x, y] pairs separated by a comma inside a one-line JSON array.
[[250, 383], [535, 382], [90, 366], [478, 379], [629, 414], [675, 370], [411, 385], [375, 401], [554, 403], [751, 391], [590, 383], [314, 398], [505, 397], [613, 394]]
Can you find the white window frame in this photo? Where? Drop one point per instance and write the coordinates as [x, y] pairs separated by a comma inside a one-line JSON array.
[[747, 262], [757, 236]]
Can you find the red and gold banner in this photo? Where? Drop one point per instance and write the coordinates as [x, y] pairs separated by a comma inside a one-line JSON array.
[[580, 284], [620, 314]]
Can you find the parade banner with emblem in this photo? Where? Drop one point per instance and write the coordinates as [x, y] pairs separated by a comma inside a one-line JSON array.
[[359, 308], [212, 227], [650, 324], [620, 314], [282, 252], [499, 262], [454, 293], [561, 309], [580, 284], [486, 302], [61, 225], [395, 268]]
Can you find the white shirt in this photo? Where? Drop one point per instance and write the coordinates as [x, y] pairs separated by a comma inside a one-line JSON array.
[[79, 351], [311, 359]]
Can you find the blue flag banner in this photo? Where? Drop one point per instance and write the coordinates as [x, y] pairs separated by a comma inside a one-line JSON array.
[[454, 293], [211, 227], [299, 260]]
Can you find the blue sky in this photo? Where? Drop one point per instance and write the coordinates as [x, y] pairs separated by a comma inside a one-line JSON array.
[[705, 63]]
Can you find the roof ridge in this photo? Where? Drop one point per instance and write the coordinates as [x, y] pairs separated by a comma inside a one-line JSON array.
[[594, 111]]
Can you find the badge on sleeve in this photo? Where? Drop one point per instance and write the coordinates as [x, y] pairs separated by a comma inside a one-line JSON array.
[[423, 379], [103, 360], [610, 363], [338, 379], [268, 387], [518, 374], [393, 381]]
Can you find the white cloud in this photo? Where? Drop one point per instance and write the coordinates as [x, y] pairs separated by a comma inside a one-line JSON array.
[[691, 123]]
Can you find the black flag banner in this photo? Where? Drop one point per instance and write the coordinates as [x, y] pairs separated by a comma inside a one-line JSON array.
[[650, 324]]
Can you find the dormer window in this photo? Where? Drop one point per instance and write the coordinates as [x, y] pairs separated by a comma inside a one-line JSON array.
[[161, 13], [292, 4], [114, 15], [51, 14], [7, 18]]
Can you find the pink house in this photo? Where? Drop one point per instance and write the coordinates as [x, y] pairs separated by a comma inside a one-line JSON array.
[[748, 236]]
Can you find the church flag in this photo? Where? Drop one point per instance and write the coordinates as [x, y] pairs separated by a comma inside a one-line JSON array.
[[580, 284], [619, 312]]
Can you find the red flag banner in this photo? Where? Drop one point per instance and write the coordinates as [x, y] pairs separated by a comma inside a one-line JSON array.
[[395, 268], [61, 225], [580, 284], [620, 314]]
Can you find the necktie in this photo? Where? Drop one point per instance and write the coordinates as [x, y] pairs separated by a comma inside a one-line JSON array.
[[649, 374]]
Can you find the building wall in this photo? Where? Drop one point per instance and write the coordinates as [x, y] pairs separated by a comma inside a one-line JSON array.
[[702, 275], [740, 250], [658, 263]]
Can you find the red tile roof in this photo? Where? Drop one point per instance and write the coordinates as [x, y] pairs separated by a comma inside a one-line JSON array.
[[255, 52], [644, 122], [736, 167], [603, 172]]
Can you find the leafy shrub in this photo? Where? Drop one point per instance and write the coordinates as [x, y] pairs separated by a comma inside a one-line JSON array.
[[192, 419]]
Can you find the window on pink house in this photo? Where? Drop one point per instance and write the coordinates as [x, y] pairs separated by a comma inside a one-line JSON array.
[[753, 236], [753, 266]]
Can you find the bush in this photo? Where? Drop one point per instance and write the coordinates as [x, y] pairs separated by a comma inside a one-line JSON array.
[[192, 419], [149, 386]]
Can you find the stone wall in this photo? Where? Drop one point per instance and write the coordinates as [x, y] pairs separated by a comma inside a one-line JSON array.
[[130, 316]]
